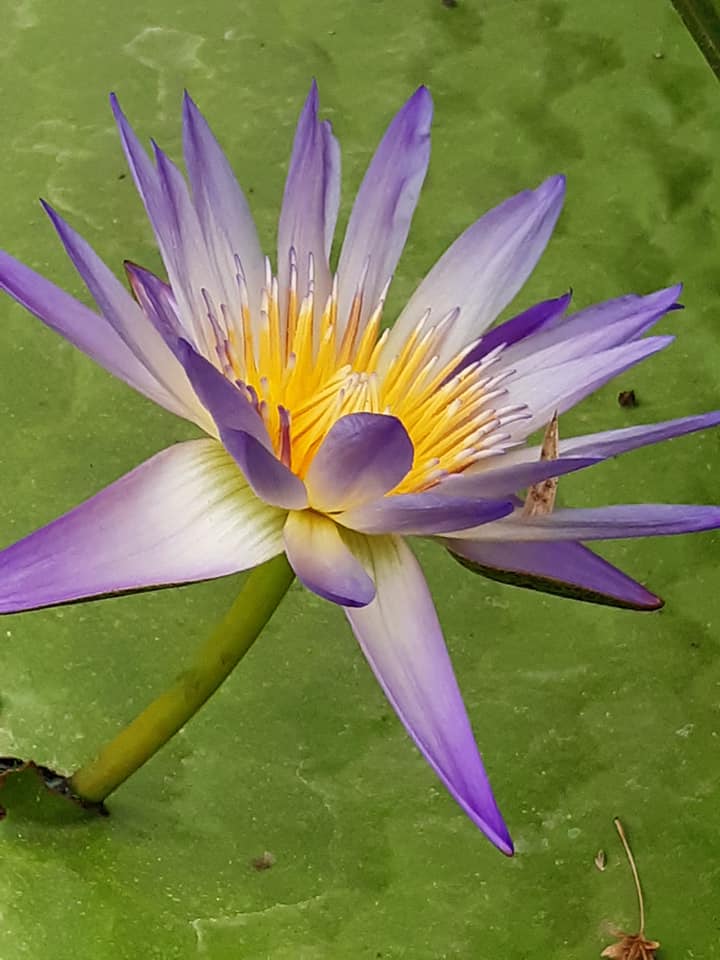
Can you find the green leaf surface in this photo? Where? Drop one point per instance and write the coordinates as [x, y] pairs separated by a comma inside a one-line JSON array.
[[582, 712]]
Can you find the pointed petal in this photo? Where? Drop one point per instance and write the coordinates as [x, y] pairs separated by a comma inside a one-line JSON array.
[[175, 223], [323, 562], [88, 331], [507, 478], [400, 635], [601, 523], [384, 207], [148, 186], [225, 219], [483, 270], [557, 389], [126, 318], [271, 480], [184, 515], [422, 514], [517, 329], [598, 318], [611, 443], [141, 168], [564, 569], [190, 269], [363, 456], [229, 406], [588, 342], [243, 433], [157, 302], [310, 202]]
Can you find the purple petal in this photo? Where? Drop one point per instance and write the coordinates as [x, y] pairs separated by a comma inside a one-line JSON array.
[[363, 456], [517, 328], [243, 433], [190, 269], [564, 569], [142, 170], [508, 478], [121, 311], [323, 562], [384, 207], [422, 514], [271, 480], [176, 226], [229, 406], [613, 333], [88, 331], [310, 202], [611, 443], [400, 635], [184, 515], [148, 185], [559, 388], [225, 219], [601, 318], [601, 523], [484, 269], [157, 303]]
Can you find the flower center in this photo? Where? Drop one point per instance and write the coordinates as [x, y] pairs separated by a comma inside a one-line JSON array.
[[303, 370]]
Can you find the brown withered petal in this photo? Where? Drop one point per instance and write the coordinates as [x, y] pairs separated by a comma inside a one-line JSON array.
[[632, 947], [540, 499]]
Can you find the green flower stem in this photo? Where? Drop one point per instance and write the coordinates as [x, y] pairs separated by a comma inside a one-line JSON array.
[[214, 661]]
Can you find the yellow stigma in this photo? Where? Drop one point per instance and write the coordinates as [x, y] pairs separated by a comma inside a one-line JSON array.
[[303, 370]]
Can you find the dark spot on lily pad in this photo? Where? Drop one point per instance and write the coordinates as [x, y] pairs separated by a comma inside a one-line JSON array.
[[38, 793]]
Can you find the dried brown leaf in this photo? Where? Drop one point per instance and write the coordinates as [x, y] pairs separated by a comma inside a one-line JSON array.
[[540, 499], [631, 946]]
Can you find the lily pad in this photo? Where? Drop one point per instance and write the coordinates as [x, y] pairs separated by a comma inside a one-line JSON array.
[[41, 794], [582, 712]]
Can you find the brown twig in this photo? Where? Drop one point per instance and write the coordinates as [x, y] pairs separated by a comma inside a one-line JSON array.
[[636, 876]]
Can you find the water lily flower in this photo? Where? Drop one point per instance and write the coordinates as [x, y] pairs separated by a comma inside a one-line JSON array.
[[331, 438]]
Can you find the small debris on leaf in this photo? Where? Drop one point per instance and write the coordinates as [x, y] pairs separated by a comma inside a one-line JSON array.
[[263, 862], [39, 793], [450, 3], [600, 860], [631, 946], [627, 398]]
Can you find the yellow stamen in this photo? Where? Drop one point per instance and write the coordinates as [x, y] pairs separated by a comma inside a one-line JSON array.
[[303, 377]]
